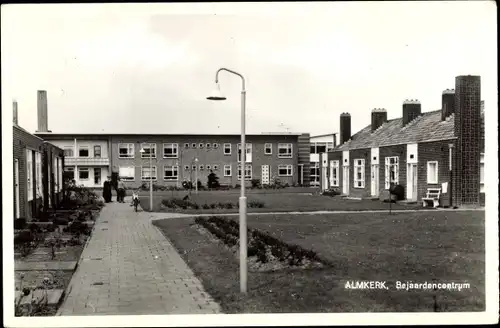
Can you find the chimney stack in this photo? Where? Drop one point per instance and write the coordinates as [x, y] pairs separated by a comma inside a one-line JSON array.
[[345, 127], [379, 117], [42, 111], [447, 103], [411, 110], [14, 112]]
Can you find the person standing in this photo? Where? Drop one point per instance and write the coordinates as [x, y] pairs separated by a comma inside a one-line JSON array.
[[121, 191], [106, 192]]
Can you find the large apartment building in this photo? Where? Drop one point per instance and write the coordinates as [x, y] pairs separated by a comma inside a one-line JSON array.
[[170, 159], [438, 149]]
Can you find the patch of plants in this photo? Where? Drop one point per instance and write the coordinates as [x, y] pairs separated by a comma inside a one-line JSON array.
[[177, 203], [263, 248], [335, 191]]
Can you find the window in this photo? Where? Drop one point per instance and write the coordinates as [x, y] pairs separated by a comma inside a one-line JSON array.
[[70, 173], [285, 150], [149, 150], [83, 173], [320, 149], [38, 173], [200, 145], [186, 145], [481, 173], [248, 155], [186, 167], [329, 146], [83, 151], [285, 170], [193, 146], [201, 167], [227, 170], [55, 165], [314, 176], [208, 145], [216, 167], [126, 150], [170, 173], [68, 152], [216, 145], [97, 151], [208, 167], [248, 171], [148, 173], [170, 150], [391, 171], [193, 168], [432, 172], [60, 173], [359, 173], [335, 174], [29, 172], [268, 148], [227, 149], [97, 175], [127, 173]]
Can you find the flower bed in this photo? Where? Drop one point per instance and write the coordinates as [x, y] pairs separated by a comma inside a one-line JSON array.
[[265, 253], [187, 204]]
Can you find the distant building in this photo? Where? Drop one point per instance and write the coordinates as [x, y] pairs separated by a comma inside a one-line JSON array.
[[90, 158], [415, 150], [320, 144]]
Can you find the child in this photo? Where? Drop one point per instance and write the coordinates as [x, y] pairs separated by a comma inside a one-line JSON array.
[[135, 195]]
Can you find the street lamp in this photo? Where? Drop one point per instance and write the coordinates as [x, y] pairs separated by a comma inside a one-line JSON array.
[[216, 95], [142, 151]]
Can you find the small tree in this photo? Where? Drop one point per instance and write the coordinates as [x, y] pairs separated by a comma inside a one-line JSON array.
[[213, 181]]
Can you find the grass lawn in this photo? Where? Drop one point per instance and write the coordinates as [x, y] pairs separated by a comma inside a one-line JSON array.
[[416, 247], [274, 202]]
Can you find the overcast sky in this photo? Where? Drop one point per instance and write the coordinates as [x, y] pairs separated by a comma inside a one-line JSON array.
[[148, 68]]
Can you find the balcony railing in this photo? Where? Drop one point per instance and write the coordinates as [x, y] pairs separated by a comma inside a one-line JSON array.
[[86, 161]]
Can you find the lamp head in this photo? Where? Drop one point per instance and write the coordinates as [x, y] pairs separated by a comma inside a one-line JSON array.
[[142, 150], [216, 94]]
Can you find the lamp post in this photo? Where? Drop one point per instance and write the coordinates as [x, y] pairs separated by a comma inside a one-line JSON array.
[[142, 151], [216, 95]]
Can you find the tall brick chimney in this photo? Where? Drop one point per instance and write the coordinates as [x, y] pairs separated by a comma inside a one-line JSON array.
[[345, 127], [447, 103], [411, 110], [467, 156], [379, 117], [42, 111], [14, 113]]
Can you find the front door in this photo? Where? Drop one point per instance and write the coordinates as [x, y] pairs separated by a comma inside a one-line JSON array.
[[16, 182], [97, 176], [265, 174], [375, 180], [301, 174], [411, 192], [345, 180]]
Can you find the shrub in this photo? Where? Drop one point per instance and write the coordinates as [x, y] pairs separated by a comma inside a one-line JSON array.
[[335, 191], [228, 205], [255, 183], [252, 251], [61, 221], [24, 237], [398, 191], [206, 206], [20, 223], [256, 204]]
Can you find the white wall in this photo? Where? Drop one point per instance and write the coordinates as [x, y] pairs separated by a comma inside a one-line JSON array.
[[90, 182], [322, 139]]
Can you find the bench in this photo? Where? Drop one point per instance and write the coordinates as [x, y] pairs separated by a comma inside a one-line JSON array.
[[432, 197]]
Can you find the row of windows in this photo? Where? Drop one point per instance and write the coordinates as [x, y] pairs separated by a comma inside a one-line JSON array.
[[35, 163], [171, 172], [391, 172], [83, 151], [171, 150], [323, 147]]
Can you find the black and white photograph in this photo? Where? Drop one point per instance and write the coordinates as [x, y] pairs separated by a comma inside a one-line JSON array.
[[246, 164]]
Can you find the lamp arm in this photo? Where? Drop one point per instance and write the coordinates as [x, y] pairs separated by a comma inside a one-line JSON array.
[[233, 72]]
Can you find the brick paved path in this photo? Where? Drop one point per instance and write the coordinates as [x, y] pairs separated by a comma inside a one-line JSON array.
[[129, 267]]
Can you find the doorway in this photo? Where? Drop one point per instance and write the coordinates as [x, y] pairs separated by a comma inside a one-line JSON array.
[[345, 180], [265, 174], [97, 176], [375, 180], [411, 192]]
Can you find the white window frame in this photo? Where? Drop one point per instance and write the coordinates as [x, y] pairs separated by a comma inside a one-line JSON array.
[[248, 147], [154, 173], [248, 168], [60, 172], [268, 146], [359, 167], [186, 145], [432, 179], [481, 173], [287, 146], [336, 169], [150, 146], [130, 150], [29, 173], [193, 145], [329, 146], [227, 146], [208, 167], [208, 145], [201, 145], [228, 168], [288, 168], [38, 178], [201, 167], [84, 169], [127, 178], [72, 149], [54, 172], [100, 151], [216, 167], [215, 145], [193, 168], [174, 147], [186, 167], [84, 148], [173, 169], [388, 166], [314, 177]]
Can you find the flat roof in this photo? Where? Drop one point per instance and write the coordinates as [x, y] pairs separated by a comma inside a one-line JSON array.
[[49, 134]]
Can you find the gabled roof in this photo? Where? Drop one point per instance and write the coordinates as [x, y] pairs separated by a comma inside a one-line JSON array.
[[425, 128]]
